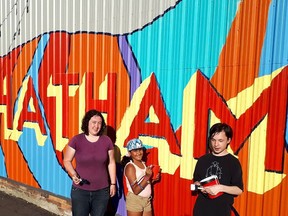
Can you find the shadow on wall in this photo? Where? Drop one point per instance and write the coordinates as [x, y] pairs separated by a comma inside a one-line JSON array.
[[114, 201]]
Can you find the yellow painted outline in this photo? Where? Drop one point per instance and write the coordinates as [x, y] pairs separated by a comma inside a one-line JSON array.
[[56, 91]]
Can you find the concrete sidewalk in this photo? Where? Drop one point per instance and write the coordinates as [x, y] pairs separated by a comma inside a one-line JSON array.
[[13, 206]]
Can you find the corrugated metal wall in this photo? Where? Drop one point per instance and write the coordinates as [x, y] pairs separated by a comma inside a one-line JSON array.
[[160, 70]]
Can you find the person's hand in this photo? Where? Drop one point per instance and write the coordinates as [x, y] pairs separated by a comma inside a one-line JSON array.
[[199, 185], [213, 190], [112, 190], [76, 179], [157, 178], [149, 171]]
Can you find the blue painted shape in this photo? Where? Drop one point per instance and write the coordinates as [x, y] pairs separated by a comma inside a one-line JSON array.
[[3, 171], [187, 38], [43, 163], [275, 49]]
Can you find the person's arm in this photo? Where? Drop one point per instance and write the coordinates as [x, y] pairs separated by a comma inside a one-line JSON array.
[[233, 190], [137, 186], [112, 172], [156, 179], [215, 189], [69, 154]]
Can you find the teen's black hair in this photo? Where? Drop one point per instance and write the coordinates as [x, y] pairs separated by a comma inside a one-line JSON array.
[[218, 127]]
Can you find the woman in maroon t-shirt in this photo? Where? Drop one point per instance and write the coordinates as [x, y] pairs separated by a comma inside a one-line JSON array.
[[93, 183]]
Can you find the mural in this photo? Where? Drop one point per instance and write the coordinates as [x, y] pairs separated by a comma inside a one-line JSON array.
[[163, 71]]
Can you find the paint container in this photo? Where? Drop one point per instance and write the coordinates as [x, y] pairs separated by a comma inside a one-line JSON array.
[[210, 181], [156, 169]]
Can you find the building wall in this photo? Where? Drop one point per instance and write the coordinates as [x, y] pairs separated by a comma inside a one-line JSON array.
[[163, 71]]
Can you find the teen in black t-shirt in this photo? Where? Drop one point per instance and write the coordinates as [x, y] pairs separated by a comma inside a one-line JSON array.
[[226, 167]]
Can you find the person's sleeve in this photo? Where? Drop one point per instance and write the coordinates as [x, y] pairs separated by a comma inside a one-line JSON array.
[[72, 142], [110, 143], [237, 179], [196, 176]]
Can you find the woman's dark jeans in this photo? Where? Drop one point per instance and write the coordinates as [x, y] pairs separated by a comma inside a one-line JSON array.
[[85, 202]]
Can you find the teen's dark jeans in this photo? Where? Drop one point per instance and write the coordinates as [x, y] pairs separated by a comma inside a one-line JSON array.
[[85, 202]]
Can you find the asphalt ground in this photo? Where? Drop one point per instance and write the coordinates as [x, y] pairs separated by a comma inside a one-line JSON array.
[[13, 206]]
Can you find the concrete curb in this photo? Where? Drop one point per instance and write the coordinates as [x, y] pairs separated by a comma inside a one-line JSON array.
[[43, 199]]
